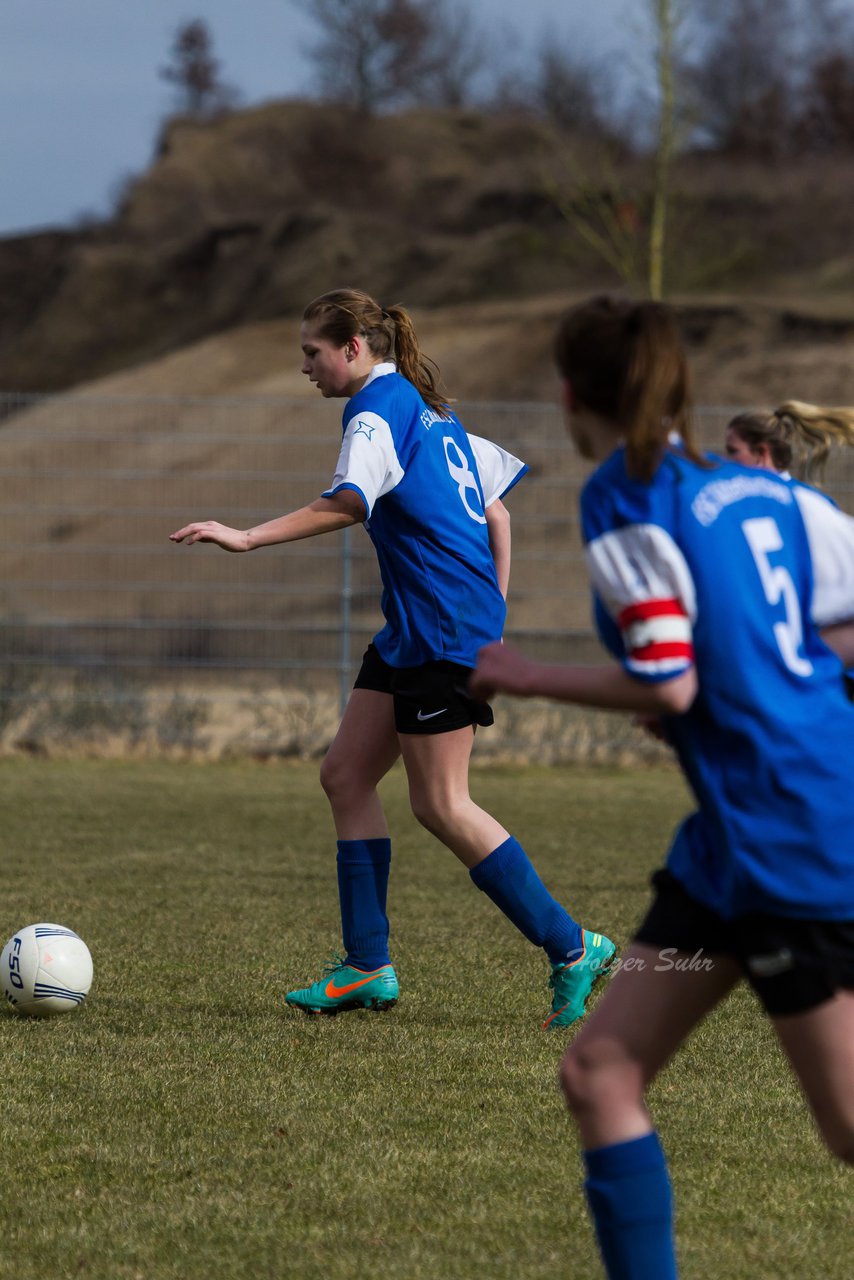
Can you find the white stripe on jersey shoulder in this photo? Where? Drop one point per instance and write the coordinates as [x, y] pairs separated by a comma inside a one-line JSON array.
[[366, 424], [368, 458], [830, 533], [638, 564], [498, 469]]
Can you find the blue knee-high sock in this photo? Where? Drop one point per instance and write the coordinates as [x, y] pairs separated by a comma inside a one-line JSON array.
[[629, 1194], [363, 867], [508, 877]]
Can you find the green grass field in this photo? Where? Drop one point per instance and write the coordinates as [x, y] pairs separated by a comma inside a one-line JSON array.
[[183, 1124]]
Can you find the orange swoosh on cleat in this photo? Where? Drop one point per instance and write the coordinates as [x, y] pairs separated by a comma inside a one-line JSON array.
[[333, 992]]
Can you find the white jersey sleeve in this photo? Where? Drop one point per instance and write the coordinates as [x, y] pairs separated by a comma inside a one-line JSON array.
[[830, 533], [643, 581], [498, 469], [367, 461]]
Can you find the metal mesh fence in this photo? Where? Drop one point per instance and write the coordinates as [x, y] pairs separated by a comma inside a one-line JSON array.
[[110, 631]]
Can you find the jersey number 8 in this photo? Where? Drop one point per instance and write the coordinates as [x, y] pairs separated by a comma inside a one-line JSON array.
[[463, 477]]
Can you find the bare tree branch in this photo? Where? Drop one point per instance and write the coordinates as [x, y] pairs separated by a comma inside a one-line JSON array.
[[195, 72], [382, 54]]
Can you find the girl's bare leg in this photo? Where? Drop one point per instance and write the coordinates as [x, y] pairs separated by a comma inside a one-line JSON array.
[[365, 748], [820, 1046], [437, 768], [650, 1007]]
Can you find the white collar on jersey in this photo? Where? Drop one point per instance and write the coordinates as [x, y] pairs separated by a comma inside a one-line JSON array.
[[379, 371]]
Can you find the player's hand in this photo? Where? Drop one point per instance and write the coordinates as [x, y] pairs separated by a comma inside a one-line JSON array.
[[211, 531], [500, 669]]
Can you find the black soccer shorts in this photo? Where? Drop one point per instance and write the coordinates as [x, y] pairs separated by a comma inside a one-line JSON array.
[[432, 698], [792, 965]]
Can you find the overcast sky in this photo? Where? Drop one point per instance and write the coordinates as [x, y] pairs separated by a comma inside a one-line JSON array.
[[81, 99]]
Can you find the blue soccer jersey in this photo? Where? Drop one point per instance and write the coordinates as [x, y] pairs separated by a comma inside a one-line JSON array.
[[426, 485], [734, 570]]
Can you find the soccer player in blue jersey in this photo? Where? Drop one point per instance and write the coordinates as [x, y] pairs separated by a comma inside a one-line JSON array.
[[727, 598], [429, 496], [793, 435]]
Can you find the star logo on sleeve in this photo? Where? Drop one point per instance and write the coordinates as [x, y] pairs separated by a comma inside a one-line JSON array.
[[364, 429]]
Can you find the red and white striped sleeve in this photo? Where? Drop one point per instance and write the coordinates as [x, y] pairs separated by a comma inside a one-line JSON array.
[[644, 583]]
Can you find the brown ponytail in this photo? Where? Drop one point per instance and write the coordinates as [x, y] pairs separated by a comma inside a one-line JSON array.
[[389, 333], [421, 371], [625, 362]]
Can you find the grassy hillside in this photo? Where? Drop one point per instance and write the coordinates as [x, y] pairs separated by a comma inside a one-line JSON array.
[[243, 219]]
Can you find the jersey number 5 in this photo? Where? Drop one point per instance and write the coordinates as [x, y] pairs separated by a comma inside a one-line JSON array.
[[763, 538]]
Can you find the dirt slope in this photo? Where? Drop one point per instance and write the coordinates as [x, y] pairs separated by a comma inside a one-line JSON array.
[[742, 353]]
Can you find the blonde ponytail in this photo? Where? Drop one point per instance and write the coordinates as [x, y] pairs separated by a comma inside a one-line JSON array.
[[812, 432], [798, 436]]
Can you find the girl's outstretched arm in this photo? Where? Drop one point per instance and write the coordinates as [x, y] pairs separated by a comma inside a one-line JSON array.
[[324, 515]]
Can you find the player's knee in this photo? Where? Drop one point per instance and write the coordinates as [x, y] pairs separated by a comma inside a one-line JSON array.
[[595, 1077], [431, 806], [428, 812], [576, 1076], [330, 776], [439, 813], [339, 780]]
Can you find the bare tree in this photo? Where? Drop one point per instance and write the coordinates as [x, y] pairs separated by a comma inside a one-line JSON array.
[[381, 54], [771, 76], [828, 116], [827, 112], [606, 216], [666, 16], [825, 27], [457, 55], [566, 90], [746, 76], [195, 72], [627, 226]]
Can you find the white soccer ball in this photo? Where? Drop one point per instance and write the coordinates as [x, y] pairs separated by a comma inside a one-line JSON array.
[[45, 969]]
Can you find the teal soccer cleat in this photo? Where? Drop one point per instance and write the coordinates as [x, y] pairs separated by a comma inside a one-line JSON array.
[[342, 987], [573, 982]]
